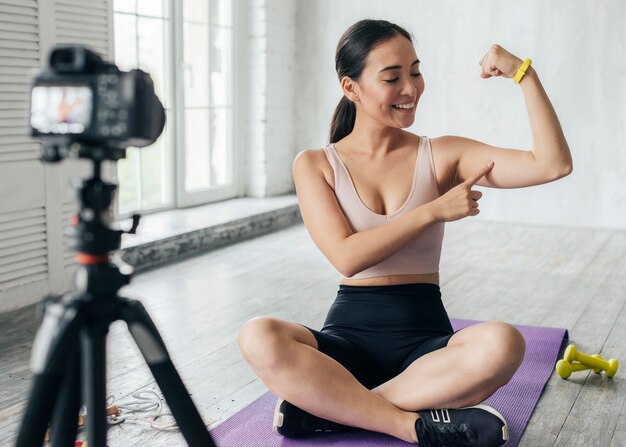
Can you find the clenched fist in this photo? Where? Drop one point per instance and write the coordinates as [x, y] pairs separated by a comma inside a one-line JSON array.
[[499, 62]]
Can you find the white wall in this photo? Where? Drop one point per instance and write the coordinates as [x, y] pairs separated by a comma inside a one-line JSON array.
[[269, 74], [578, 49]]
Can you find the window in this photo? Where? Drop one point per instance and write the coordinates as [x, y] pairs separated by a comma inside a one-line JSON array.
[[192, 162]]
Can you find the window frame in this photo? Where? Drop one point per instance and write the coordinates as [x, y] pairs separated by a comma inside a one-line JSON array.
[[174, 159], [184, 199]]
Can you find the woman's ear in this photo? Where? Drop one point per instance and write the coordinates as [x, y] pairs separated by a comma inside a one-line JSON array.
[[350, 89]]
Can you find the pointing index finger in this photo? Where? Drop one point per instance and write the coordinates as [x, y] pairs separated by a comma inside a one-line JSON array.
[[480, 174]]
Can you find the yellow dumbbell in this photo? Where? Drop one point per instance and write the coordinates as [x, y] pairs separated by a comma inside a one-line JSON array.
[[565, 369], [596, 362]]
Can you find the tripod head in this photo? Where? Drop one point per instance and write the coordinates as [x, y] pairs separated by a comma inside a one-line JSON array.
[[93, 238], [91, 234]]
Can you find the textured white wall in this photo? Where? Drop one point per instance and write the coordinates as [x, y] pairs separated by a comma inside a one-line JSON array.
[[251, 78], [578, 49], [268, 73]]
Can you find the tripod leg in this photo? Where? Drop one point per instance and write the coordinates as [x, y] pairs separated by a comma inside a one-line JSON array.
[[43, 394], [64, 420], [93, 353], [55, 337], [154, 352]]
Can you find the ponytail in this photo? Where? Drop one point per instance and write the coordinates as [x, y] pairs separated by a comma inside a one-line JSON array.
[[343, 120]]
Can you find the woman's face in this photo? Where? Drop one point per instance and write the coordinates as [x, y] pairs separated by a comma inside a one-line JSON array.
[[391, 77]]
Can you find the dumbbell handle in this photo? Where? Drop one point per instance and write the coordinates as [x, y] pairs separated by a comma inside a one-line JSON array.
[[578, 366], [599, 357]]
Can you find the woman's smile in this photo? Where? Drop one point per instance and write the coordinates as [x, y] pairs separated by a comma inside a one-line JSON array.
[[404, 108]]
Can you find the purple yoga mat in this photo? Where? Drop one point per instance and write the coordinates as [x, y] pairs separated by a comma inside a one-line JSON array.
[[252, 426]]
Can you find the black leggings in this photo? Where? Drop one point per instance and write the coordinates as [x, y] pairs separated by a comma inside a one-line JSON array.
[[376, 332]]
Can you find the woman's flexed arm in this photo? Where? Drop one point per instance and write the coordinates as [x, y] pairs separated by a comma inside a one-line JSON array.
[[550, 158]]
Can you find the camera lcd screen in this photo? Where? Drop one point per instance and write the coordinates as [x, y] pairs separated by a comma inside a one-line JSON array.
[[61, 109]]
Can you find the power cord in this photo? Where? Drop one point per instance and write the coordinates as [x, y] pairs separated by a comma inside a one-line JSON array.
[[145, 409]]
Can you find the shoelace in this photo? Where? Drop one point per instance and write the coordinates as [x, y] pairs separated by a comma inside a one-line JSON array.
[[446, 434]]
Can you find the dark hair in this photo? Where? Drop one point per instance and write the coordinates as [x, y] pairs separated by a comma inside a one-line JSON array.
[[352, 51]]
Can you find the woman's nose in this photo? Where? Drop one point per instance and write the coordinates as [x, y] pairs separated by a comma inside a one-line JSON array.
[[409, 88]]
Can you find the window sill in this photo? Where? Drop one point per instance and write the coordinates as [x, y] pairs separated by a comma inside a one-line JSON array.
[[170, 236]]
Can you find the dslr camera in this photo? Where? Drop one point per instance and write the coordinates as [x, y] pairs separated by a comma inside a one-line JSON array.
[[80, 98]]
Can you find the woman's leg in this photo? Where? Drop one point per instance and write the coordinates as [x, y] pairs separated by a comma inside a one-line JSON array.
[[285, 356], [476, 362]]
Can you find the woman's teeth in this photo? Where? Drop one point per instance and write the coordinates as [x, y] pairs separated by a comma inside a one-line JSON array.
[[403, 106]]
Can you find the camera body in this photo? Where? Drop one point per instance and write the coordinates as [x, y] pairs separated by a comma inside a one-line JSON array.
[[81, 98]]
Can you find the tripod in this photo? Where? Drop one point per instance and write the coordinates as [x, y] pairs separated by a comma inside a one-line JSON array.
[[69, 357]]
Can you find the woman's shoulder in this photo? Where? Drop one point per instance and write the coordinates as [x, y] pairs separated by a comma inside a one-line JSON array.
[[313, 157], [316, 158], [412, 140]]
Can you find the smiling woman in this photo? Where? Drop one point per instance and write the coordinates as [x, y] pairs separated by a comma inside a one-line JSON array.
[[390, 81], [375, 201]]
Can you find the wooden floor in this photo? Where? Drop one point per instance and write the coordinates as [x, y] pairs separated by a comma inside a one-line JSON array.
[[536, 275]]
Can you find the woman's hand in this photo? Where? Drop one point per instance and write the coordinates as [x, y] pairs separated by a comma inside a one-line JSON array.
[[460, 201], [499, 62]]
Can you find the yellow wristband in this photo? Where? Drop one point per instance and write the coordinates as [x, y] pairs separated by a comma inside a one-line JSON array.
[[522, 71]]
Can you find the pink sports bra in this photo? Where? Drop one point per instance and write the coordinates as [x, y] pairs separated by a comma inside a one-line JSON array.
[[422, 254]]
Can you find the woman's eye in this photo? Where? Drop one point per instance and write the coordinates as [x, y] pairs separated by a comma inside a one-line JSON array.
[[391, 81]]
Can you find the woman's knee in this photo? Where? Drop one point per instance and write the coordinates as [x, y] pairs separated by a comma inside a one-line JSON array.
[[509, 343], [495, 351], [256, 336], [265, 341], [503, 346], [499, 352]]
